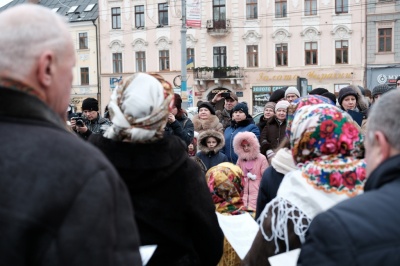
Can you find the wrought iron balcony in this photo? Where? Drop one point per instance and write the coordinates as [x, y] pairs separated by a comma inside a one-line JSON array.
[[218, 28]]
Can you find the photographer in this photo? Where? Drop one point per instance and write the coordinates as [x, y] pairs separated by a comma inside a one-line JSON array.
[[91, 121]]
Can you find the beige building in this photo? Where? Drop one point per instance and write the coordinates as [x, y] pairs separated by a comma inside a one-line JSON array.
[[248, 47]]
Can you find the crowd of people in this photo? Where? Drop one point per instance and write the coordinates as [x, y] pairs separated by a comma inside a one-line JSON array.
[[316, 173]]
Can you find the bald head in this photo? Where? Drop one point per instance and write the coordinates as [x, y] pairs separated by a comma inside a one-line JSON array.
[[34, 44]]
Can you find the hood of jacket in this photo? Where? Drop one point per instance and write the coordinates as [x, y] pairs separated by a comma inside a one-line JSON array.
[[252, 140], [144, 164], [202, 145], [200, 124]]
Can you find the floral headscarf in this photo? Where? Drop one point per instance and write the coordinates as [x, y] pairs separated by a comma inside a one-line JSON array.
[[225, 182], [139, 109], [325, 142], [300, 102]]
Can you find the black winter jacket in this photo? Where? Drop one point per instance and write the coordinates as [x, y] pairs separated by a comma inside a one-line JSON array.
[[182, 127], [61, 201], [173, 206], [360, 231]]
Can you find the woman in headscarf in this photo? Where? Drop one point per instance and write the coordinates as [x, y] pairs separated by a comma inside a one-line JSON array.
[[326, 145], [225, 182], [172, 205]]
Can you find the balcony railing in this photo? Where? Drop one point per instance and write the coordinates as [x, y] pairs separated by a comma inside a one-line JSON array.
[[218, 72]]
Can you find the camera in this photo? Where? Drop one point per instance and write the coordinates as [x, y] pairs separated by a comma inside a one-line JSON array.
[[78, 121], [225, 94]]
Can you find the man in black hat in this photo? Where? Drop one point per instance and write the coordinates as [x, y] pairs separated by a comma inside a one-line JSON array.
[[231, 101], [91, 121]]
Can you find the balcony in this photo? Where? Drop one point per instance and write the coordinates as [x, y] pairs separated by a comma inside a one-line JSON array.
[[234, 75], [218, 28]]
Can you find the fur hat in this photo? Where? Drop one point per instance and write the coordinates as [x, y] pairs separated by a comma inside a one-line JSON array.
[[251, 138], [380, 89], [241, 106], [281, 104], [270, 105], [330, 96], [90, 104], [206, 105], [292, 90], [318, 91], [344, 92], [277, 95]]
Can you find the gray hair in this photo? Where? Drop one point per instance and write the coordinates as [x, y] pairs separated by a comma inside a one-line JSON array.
[[27, 30], [384, 117]]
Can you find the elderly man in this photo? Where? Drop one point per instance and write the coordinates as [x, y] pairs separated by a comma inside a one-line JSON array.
[[61, 201], [365, 230], [231, 101]]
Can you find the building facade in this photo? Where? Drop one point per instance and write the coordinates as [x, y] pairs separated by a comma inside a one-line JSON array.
[[82, 18], [248, 47], [383, 39]]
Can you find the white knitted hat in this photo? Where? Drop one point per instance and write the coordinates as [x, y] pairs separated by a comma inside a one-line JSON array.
[[282, 104], [292, 90]]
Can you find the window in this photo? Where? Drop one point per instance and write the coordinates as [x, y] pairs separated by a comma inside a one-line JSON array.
[[190, 58], [164, 59], [251, 9], [140, 61], [139, 16], [219, 60], [310, 7], [84, 76], [281, 54], [72, 9], [117, 63], [116, 17], [385, 40], [163, 14], [341, 6], [280, 8], [311, 50], [89, 7], [219, 14], [342, 52], [252, 56], [83, 40]]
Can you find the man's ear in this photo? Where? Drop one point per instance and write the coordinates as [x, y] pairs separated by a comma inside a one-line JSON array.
[[384, 146], [46, 69]]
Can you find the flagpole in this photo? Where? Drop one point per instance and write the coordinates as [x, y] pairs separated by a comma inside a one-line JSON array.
[[183, 48]]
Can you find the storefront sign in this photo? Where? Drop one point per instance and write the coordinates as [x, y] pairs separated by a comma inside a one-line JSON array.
[[310, 75]]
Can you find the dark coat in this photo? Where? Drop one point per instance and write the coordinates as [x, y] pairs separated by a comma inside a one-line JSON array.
[[182, 127], [261, 124], [173, 206], [94, 126], [269, 185], [231, 132], [363, 230], [61, 201], [272, 134]]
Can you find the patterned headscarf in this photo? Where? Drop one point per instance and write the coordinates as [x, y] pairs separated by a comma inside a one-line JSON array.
[[325, 142], [300, 102], [139, 109], [225, 182]]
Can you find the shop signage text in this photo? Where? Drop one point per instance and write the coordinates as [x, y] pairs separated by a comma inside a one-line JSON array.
[[310, 75]]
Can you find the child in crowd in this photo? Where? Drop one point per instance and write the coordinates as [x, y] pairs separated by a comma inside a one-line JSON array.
[[210, 144], [252, 163]]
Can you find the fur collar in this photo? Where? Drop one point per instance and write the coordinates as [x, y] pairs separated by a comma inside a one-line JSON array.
[[254, 144], [202, 145], [201, 125]]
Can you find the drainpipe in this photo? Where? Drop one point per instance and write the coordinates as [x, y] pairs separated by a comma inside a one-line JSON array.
[[366, 45], [98, 67]]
